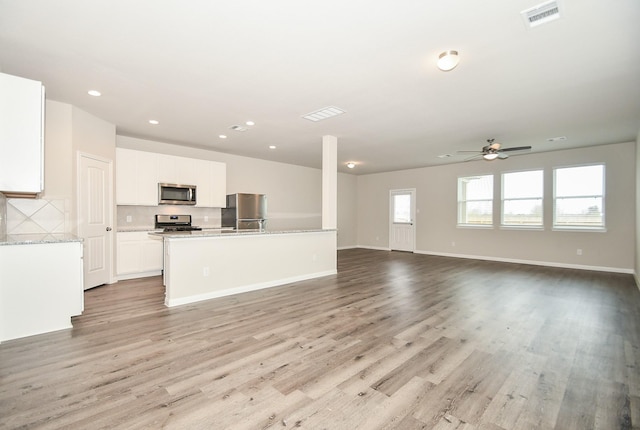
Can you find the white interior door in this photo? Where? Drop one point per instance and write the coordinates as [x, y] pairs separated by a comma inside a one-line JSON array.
[[401, 216], [95, 219]]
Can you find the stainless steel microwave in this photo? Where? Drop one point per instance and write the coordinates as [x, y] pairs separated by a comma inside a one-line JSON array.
[[174, 194]]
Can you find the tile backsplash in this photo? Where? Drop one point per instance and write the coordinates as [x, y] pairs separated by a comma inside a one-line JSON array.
[[144, 216], [35, 216], [3, 215]]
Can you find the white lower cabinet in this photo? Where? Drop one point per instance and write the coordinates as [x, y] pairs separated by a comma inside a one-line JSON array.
[[41, 288], [139, 255]]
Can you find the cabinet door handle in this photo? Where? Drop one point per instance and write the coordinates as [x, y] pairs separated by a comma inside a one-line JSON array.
[[108, 228]]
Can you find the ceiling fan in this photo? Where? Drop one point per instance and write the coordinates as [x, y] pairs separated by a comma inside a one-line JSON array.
[[493, 150]]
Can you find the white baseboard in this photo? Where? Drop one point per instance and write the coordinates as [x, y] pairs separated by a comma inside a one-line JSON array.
[[532, 262], [377, 248], [138, 275], [246, 288]]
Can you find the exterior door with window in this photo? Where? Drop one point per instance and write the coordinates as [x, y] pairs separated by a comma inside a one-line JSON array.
[[402, 215]]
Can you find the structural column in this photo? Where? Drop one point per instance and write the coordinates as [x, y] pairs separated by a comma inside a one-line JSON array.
[[329, 182]]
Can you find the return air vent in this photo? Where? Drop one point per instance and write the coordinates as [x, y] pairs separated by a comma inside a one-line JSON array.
[[541, 14], [324, 113]]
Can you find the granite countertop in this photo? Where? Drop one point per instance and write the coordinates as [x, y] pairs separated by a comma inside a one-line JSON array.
[[33, 239], [136, 229], [217, 232]]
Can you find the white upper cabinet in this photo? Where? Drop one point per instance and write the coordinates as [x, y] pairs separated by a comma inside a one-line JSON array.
[[219, 184], [136, 177], [21, 135], [138, 174]]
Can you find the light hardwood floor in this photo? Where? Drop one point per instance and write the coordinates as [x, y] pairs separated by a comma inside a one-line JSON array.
[[394, 340]]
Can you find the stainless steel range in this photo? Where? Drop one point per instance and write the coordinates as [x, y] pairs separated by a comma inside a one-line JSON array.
[[175, 223]]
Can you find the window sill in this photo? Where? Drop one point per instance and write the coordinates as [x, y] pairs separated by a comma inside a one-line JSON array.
[[522, 227], [475, 226], [581, 229]]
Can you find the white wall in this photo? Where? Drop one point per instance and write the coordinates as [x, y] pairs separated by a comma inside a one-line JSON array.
[[58, 152], [347, 210], [436, 201], [637, 218]]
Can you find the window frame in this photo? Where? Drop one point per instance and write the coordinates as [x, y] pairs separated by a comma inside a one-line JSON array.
[[461, 203], [579, 227], [504, 225]]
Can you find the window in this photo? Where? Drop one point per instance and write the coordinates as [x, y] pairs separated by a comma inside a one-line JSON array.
[[579, 197], [401, 207], [522, 198], [475, 200]]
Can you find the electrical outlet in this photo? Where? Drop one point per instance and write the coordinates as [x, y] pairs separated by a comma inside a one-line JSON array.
[[205, 271], [206, 218], [579, 251], [129, 218]]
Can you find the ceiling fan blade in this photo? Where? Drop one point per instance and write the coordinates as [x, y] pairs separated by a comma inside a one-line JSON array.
[[515, 148], [473, 157], [465, 150]]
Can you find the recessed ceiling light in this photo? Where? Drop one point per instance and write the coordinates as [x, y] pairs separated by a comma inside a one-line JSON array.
[[351, 164], [272, 147], [323, 113], [222, 136], [94, 93], [557, 139], [448, 60], [154, 122], [250, 123]]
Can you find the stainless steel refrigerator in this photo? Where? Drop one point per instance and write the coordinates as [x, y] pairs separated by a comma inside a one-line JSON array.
[[245, 211]]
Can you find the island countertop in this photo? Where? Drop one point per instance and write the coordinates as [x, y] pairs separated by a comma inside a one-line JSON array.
[[216, 232]]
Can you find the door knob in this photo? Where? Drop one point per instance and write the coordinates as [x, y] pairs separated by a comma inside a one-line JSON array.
[[108, 228]]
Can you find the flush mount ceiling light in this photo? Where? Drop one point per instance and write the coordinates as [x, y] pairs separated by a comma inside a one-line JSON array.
[[351, 164], [323, 113], [94, 93], [272, 147], [448, 60]]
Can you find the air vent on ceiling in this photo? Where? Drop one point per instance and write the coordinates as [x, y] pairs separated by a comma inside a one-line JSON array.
[[238, 128], [541, 14], [323, 113]]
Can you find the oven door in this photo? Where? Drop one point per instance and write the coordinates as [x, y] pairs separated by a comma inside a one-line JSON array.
[[174, 194]]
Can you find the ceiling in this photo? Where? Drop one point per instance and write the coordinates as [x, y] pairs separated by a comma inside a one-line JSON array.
[[202, 66]]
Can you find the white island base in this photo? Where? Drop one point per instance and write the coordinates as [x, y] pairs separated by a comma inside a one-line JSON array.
[[201, 266]]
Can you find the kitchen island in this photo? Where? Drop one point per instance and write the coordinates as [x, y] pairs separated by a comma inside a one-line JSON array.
[[201, 265]]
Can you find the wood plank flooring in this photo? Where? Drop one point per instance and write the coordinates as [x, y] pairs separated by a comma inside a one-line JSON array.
[[393, 341]]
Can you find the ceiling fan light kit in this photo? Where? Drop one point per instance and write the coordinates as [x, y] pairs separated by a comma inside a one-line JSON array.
[[494, 150], [448, 60]]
